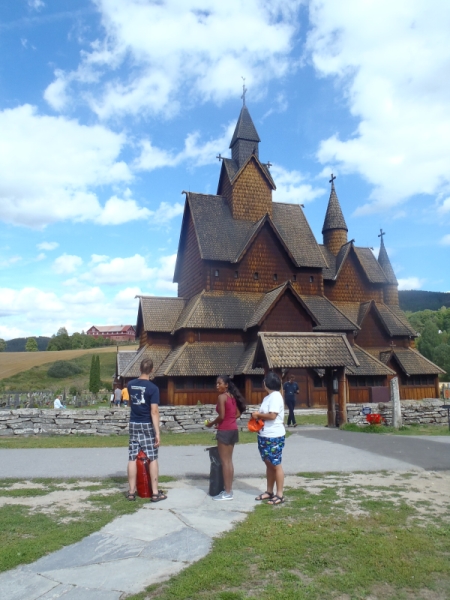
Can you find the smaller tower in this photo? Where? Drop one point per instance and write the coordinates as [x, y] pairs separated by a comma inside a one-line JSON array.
[[334, 228], [391, 289]]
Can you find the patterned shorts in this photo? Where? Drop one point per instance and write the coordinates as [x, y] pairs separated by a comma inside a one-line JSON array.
[[271, 449], [142, 435]]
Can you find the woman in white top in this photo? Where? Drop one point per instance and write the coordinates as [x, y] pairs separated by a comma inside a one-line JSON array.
[[271, 438]]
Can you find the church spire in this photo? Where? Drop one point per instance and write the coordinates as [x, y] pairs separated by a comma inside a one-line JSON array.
[[245, 138], [384, 262], [334, 228]]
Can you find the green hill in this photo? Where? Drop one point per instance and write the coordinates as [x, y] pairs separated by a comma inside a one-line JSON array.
[[417, 300]]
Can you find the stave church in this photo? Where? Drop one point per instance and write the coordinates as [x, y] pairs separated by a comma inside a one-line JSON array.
[[257, 291]]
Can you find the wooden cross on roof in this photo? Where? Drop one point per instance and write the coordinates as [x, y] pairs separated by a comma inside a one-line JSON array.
[[220, 157], [381, 234], [333, 177], [244, 91]]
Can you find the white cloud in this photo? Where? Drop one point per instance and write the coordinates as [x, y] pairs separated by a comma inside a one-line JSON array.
[[166, 212], [117, 211], [127, 298], [410, 283], [41, 256], [67, 263], [389, 59], [98, 258], [194, 151], [14, 302], [93, 295], [59, 182], [121, 270], [445, 241], [47, 246], [9, 262], [180, 47], [36, 4], [291, 187]]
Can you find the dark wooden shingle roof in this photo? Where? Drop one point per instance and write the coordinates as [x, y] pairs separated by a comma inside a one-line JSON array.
[[202, 359], [160, 314], [305, 350], [328, 316], [411, 362], [334, 219], [156, 353], [368, 364]]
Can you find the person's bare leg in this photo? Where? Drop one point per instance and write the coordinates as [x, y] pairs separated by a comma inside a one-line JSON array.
[[154, 472], [226, 458], [279, 479], [132, 475], [270, 475]]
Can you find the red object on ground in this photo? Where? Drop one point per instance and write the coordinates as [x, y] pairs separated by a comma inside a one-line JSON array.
[[374, 419], [143, 482]]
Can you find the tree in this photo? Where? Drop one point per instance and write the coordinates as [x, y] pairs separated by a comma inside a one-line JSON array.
[[2, 345], [429, 339], [441, 356], [94, 374], [31, 345]]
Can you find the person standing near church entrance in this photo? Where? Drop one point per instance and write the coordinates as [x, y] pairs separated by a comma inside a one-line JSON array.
[[290, 389]]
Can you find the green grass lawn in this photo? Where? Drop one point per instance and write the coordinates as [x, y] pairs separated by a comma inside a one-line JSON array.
[[405, 430], [28, 532], [115, 441], [309, 419], [343, 542], [36, 379]]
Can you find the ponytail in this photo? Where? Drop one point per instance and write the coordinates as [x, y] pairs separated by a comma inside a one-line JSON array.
[[232, 388]]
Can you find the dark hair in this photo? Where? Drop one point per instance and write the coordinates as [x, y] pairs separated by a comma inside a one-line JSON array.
[[272, 382], [240, 400], [146, 366]]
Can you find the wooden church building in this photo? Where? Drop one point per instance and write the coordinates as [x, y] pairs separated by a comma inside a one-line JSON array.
[[256, 290]]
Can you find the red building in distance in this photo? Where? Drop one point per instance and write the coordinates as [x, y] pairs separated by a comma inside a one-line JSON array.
[[118, 333]]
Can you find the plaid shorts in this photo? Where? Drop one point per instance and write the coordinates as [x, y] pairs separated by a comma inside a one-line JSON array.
[[271, 449], [142, 435]]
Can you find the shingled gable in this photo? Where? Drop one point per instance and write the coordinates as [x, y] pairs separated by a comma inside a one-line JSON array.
[[368, 364], [156, 353], [364, 256], [232, 172], [390, 319], [411, 362], [268, 302], [222, 238]]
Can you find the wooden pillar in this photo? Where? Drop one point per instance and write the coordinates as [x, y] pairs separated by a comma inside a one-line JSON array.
[[170, 391], [342, 401], [436, 387], [331, 407], [248, 390]]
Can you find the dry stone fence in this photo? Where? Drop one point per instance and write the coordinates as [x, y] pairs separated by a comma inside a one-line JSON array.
[[425, 412], [35, 421]]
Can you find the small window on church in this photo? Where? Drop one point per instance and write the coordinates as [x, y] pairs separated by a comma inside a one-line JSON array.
[[275, 277], [311, 279], [216, 273], [294, 277], [255, 275], [236, 274]]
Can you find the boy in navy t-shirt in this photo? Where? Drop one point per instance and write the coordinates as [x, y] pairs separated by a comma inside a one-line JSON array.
[[144, 428]]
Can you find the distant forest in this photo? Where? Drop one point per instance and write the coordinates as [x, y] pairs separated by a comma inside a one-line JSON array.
[[416, 300], [18, 344]]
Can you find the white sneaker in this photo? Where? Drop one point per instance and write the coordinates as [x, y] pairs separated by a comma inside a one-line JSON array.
[[223, 496]]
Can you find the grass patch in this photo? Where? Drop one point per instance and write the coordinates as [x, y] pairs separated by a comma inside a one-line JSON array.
[[405, 430], [320, 419], [29, 531], [115, 441], [36, 378], [313, 547]]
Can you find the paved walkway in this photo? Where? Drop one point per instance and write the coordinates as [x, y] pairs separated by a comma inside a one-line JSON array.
[[132, 552]]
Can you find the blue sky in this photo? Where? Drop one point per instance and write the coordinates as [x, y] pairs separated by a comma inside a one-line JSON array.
[[110, 108]]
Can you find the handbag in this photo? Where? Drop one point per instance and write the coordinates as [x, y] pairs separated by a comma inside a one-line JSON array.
[[255, 425]]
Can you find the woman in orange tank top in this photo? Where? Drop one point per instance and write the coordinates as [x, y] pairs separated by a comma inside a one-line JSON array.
[[230, 406]]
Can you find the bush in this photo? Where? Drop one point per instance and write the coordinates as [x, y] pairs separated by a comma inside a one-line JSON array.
[[74, 391], [63, 368]]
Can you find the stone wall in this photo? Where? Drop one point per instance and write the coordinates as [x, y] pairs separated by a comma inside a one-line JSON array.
[[36, 421], [425, 412]]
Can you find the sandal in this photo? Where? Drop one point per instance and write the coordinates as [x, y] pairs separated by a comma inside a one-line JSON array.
[[276, 500], [131, 496], [264, 496], [158, 497]]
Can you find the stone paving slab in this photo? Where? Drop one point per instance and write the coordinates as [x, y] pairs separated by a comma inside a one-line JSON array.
[[72, 592]]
